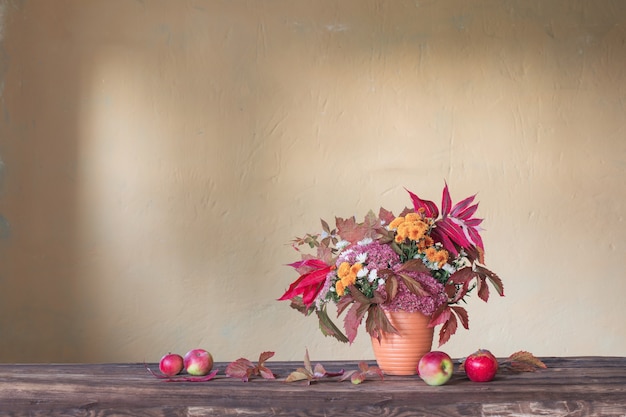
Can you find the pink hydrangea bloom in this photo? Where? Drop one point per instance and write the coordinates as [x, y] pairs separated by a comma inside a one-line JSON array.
[[378, 256], [405, 300]]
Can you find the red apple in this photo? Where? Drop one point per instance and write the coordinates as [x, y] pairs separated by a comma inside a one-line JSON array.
[[171, 364], [481, 366], [198, 362], [435, 368]]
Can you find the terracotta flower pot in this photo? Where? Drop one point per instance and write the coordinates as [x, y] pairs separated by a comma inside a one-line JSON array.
[[399, 354]]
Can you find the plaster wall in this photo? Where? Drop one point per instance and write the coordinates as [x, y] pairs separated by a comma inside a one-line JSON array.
[[157, 157]]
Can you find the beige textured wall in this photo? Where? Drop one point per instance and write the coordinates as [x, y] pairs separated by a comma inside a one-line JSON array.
[[158, 156]]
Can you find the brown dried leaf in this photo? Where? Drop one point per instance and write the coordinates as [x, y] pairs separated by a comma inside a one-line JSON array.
[[524, 361]]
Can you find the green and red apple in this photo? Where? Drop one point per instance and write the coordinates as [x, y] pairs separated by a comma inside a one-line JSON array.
[[435, 368]]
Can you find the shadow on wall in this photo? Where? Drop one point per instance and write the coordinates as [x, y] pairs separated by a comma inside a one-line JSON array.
[[38, 139]]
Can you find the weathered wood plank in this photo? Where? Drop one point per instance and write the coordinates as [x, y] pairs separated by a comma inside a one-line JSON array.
[[587, 386]]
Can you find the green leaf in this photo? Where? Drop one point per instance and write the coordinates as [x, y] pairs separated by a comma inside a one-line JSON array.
[[328, 327]]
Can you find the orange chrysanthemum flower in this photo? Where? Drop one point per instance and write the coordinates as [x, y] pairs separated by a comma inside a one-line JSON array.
[[344, 270], [396, 222], [340, 288]]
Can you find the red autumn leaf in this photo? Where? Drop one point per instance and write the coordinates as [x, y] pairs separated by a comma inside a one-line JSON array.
[[448, 329], [386, 216], [359, 375], [310, 283], [483, 290], [244, 369], [349, 230], [353, 320], [440, 316], [462, 315], [430, 208], [491, 276]]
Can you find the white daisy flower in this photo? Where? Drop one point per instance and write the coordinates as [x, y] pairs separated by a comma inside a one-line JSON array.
[[342, 244], [373, 275]]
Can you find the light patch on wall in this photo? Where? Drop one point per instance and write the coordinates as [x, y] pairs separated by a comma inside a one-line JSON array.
[[3, 8], [337, 27]]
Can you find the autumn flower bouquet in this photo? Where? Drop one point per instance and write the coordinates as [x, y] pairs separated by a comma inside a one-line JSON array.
[[424, 259]]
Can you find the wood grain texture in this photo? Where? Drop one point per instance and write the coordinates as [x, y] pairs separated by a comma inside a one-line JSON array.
[[586, 386]]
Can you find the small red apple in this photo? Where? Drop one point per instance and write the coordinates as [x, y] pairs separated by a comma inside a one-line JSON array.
[[435, 368], [171, 364], [198, 362], [481, 366]]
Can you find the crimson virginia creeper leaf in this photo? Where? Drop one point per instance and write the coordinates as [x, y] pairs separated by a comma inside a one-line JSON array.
[[391, 287], [440, 316], [244, 369], [447, 330], [483, 289], [352, 321], [462, 315], [493, 278], [360, 375], [462, 275], [414, 265], [377, 323], [239, 369], [413, 286]]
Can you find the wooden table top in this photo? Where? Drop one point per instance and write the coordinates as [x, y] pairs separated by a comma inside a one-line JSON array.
[[574, 386]]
